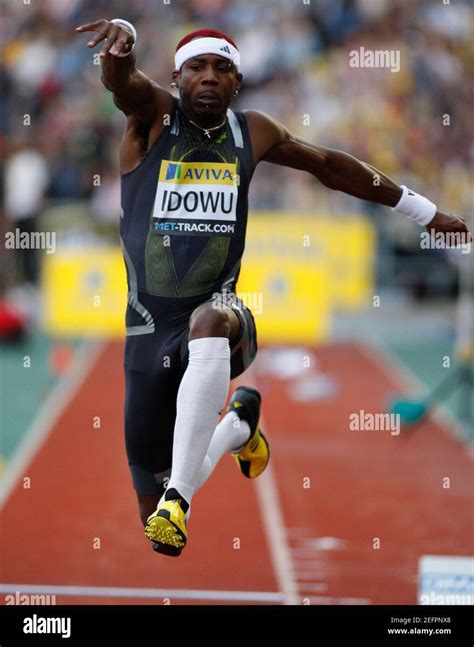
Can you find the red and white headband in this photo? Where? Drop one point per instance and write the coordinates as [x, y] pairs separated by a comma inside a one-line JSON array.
[[207, 45]]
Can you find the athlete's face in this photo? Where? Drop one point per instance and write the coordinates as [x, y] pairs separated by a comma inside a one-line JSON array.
[[207, 84]]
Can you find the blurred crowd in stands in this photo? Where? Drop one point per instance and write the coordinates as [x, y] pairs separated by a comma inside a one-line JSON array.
[[414, 124]]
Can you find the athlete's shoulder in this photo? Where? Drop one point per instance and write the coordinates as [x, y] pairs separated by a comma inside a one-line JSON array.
[[265, 132], [257, 116], [165, 107], [140, 136]]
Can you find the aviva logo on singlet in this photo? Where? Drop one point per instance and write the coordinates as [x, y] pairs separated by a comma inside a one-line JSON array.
[[197, 172], [196, 191]]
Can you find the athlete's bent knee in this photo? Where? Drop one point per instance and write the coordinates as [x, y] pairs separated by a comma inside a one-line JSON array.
[[209, 322]]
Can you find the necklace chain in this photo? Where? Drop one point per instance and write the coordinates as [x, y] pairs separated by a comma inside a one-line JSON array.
[[208, 130]]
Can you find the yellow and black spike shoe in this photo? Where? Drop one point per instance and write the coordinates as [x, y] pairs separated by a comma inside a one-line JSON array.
[[253, 457], [166, 528]]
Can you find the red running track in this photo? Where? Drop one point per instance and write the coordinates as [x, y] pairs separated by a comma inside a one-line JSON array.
[[362, 486]]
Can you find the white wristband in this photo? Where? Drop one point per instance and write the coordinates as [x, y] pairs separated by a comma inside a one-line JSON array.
[[129, 27], [415, 207]]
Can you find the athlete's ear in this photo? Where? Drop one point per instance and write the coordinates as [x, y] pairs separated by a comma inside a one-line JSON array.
[[175, 77], [239, 78]]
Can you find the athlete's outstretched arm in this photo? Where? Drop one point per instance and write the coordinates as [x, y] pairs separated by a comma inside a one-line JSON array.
[[134, 93], [273, 142]]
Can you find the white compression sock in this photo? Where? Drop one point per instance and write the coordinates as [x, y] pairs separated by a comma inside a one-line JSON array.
[[201, 398], [230, 434]]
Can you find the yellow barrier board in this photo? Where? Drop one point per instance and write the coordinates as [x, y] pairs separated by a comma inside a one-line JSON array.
[[306, 266], [290, 274], [296, 271], [350, 251], [85, 293]]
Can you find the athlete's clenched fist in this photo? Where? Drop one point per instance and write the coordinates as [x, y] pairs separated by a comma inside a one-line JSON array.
[[444, 223]]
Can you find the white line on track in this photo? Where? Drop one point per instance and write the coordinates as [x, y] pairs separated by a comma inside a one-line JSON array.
[[319, 587], [56, 402], [311, 574], [124, 592], [272, 516], [274, 527], [322, 599]]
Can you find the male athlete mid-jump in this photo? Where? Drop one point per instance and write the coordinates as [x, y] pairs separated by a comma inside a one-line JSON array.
[[186, 165]]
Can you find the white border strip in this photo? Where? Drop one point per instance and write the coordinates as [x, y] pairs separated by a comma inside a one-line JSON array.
[[274, 527], [56, 402], [124, 592]]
